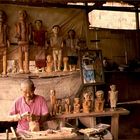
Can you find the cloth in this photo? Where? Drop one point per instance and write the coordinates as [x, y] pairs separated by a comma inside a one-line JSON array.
[[72, 46], [40, 63], [39, 37], [72, 60], [38, 107]]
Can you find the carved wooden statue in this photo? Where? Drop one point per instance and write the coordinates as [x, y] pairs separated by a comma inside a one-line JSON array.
[[34, 126], [59, 107], [67, 106], [23, 36], [113, 97], [39, 37], [87, 103], [76, 105], [65, 62], [4, 41], [49, 62], [72, 49], [56, 42], [53, 102], [99, 101]]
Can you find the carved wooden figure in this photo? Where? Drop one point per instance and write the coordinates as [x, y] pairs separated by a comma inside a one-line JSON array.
[[4, 41], [72, 46], [39, 39], [49, 62], [34, 126], [23, 36], [65, 62], [76, 105], [87, 103], [113, 97], [53, 102], [99, 101], [67, 106], [56, 42], [59, 107]]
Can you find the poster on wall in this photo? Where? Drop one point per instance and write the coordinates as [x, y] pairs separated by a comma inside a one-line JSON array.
[[91, 65]]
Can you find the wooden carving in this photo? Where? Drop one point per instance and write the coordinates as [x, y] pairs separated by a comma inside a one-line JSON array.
[[113, 97], [87, 102], [53, 102], [99, 101], [76, 105]]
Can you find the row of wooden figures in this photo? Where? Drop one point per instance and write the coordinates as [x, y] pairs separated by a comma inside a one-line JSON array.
[[23, 33], [87, 105], [49, 66]]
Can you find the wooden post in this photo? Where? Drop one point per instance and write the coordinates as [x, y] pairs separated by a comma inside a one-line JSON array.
[[137, 34], [115, 126]]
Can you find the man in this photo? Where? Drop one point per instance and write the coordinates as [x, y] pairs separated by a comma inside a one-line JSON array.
[[28, 107]]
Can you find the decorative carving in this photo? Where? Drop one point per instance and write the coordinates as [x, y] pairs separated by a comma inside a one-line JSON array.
[[56, 42], [53, 102], [49, 67], [59, 107], [76, 105], [67, 106], [4, 42], [23, 35], [39, 37], [65, 62], [87, 103], [72, 46], [99, 101], [113, 97]]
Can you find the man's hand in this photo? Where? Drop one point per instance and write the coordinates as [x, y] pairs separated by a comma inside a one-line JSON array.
[[32, 117]]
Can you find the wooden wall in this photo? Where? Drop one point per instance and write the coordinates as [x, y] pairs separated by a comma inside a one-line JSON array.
[[114, 43]]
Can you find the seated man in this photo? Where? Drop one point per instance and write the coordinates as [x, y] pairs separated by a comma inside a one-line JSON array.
[[29, 109]]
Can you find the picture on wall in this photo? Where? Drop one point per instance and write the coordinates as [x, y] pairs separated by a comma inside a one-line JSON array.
[[91, 65]]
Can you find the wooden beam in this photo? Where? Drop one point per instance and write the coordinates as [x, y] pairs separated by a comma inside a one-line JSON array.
[[113, 8]]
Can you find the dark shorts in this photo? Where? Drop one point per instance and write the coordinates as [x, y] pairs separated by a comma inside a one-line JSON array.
[[73, 60]]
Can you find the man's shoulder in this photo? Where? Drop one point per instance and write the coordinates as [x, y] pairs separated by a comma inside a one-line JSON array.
[[40, 97], [18, 99]]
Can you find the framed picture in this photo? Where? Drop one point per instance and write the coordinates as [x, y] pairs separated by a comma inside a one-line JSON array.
[[91, 66]]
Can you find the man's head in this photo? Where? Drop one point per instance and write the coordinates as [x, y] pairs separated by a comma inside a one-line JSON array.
[[27, 89]]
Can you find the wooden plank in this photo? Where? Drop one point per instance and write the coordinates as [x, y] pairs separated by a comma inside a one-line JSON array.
[[107, 112]]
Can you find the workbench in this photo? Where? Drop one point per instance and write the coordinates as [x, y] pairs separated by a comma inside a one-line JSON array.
[[92, 115]]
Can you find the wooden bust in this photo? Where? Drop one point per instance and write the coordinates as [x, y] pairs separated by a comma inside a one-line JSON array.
[[76, 105], [87, 103], [113, 97], [49, 67], [67, 106], [53, 102], [99, 101], [23, 35], [4, 41]]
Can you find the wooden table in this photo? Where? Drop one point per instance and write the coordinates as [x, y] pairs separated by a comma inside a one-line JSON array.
[[113, 114], [41, 135]]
